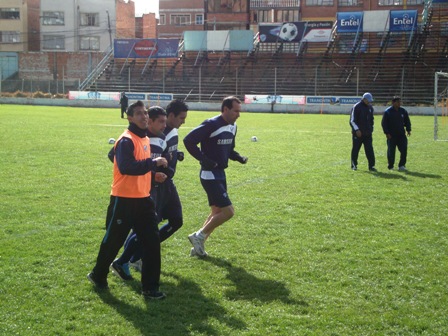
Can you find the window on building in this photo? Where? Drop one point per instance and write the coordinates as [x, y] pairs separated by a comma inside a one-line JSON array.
[[390, 2], [319, 2], [53, 42], [287, 15], [9, 37], [162, 19], [9, 13], [89, 43], [199, 19], [264, 16], [180, 19], [90, 19], [343, 3], [53, 18], [415, 2]]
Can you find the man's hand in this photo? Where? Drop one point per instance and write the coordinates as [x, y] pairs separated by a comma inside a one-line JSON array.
[[161, 161], [358, 133], [243, 159], [180, 156], [409, 133], [160, 177], [208, 164], [388, 136]]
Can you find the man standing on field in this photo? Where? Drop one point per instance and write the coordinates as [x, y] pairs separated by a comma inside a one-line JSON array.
[[216, 137], [395, 121], [130, 205]]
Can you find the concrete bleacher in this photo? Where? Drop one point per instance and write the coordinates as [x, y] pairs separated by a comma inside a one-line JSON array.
[[384, 64]]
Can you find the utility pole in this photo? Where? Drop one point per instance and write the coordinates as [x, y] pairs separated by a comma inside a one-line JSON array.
[[110, 30]]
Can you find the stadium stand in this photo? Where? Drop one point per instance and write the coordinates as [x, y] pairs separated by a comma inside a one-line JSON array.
[[387, 63]]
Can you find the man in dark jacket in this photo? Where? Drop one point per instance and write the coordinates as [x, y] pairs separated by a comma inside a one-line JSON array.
[[123, 104], [395, 121], [361, 122]]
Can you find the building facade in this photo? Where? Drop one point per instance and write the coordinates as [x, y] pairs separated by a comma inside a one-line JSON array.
[[77, 25], [177, 16], [13, 25]]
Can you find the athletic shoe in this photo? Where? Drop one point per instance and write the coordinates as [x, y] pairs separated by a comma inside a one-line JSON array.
[[198, 243], [354, 167], [194, 254], [154, 295], [137, 265], [100, 284], [373, 169], [402, 168], [390, 168], [122, 271]]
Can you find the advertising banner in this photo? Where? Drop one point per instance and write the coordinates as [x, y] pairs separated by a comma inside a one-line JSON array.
[[349, 22], [269, 99], [311, 31], [145, 48], [332, 100], [403, 20], [94, 95]]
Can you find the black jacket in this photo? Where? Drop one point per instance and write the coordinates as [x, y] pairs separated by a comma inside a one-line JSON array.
[[361, 118], [395, 121]]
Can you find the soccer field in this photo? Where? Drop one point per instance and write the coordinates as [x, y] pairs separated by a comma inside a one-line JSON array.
[[314, 248]]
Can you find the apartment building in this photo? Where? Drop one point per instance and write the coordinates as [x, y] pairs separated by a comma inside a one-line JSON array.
[[77, 25], [13, 25], [177, 16]]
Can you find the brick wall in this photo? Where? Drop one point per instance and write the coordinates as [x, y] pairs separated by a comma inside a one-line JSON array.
[[33, 25], [125, 19], [55, 65]]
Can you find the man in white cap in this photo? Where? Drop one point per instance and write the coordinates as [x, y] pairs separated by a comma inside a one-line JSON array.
[[361, 122]]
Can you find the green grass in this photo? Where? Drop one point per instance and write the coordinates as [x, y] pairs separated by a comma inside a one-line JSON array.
[[314, 248]]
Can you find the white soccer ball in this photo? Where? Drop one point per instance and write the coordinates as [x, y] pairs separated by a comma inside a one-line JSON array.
[[254, 139], [288, 32], [111, 141]]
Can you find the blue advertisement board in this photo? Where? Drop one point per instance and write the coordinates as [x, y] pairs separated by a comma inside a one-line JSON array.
[[349, 22], [402, 20], [145, 48]]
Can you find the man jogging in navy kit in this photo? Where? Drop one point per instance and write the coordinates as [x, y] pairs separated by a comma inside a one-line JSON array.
[[395, 120], [216, 137], [361, 122]]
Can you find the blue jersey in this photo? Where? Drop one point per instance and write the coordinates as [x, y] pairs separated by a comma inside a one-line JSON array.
[[217, 142]]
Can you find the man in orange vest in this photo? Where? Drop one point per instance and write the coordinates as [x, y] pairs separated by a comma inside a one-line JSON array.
[[130, 205]]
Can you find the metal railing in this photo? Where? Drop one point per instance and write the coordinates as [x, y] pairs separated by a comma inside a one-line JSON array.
[[95, 73], [255, 4]]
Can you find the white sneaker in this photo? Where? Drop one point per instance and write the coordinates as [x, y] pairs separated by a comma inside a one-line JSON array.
[[137, 265], [198, 244], [194, 254], [402, 168]]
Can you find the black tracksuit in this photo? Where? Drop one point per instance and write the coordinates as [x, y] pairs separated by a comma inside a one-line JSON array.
[[361, 118], [394, 123]]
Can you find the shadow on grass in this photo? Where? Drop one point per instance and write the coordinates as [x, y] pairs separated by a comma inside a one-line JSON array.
[[422, 175], [388, 175], [403, 175], [249, 287], [186, 310]]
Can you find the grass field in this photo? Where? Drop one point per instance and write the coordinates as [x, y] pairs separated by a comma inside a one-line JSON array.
[[314, 248]]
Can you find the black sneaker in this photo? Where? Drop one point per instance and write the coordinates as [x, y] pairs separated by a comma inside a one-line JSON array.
[[100, 284], [153, 295], [373, 169], [121, 271]]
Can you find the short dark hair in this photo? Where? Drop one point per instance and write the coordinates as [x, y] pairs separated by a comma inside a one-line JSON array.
[[228, 102], [130, 110], [395, 98], [155, 111], [176, 106]]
